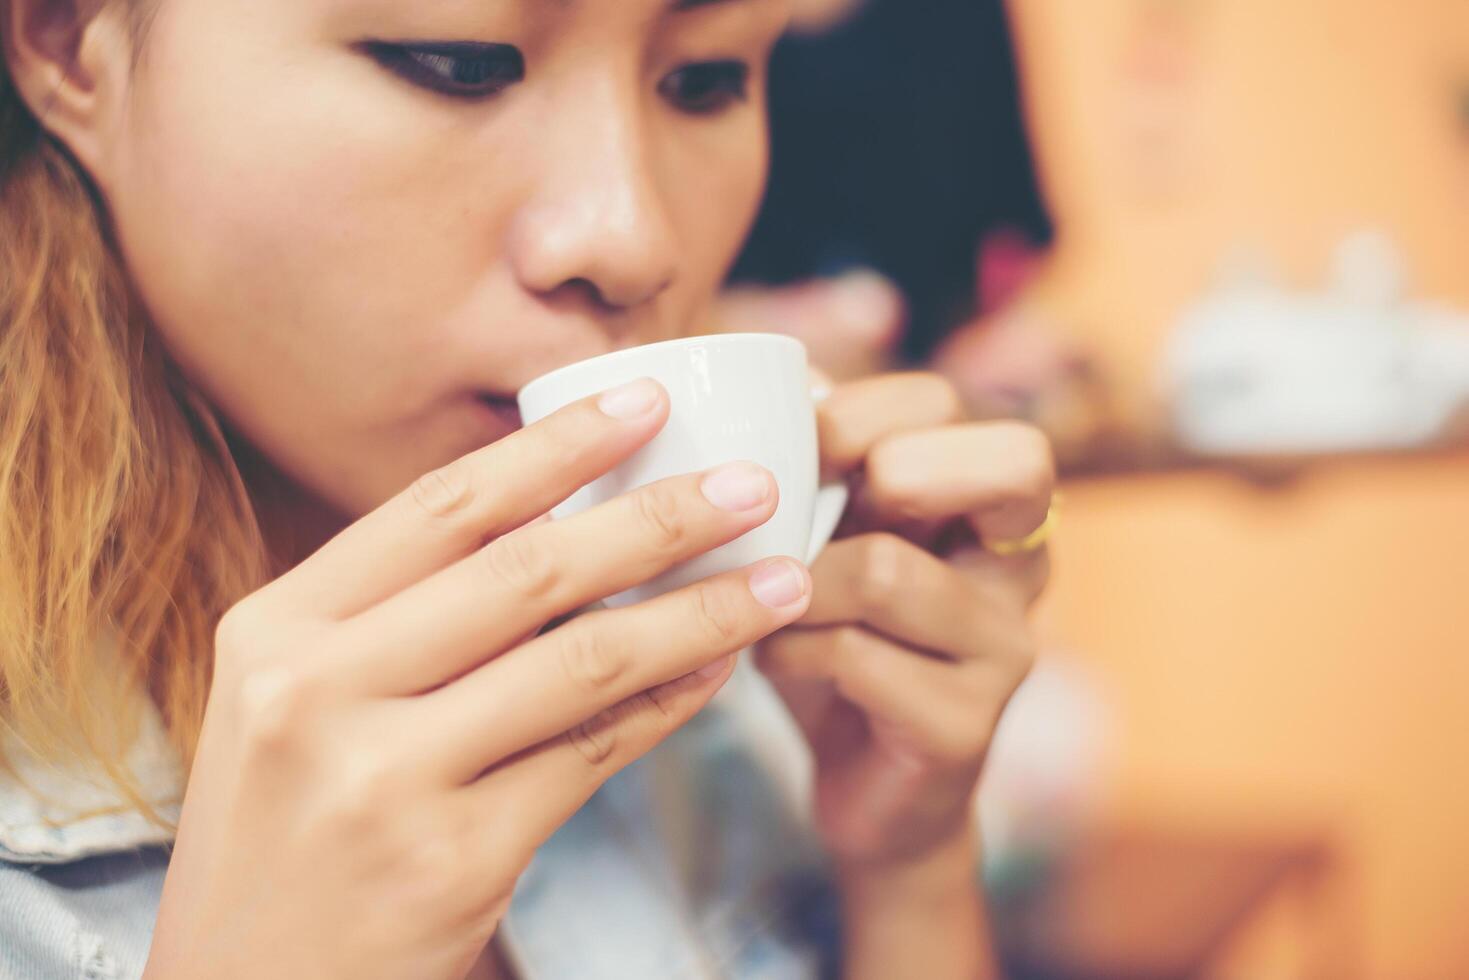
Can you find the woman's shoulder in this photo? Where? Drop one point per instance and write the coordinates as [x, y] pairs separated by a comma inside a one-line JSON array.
[[53, 813], [79, 921], [81, 870]]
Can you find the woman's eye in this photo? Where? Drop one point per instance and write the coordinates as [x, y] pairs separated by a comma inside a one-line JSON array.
[[708, 88], [461, 69]]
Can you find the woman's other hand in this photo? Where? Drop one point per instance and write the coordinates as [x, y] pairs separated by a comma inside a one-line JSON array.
[[918, 635]]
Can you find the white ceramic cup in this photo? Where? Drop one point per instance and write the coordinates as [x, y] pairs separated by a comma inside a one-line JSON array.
[[734, 397]]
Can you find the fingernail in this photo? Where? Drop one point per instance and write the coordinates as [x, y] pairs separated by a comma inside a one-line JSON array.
[[778, 584], [631, 401], [737, 487], [713, 670]]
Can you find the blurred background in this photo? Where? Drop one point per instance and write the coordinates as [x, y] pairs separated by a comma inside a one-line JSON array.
[[1219, 250]]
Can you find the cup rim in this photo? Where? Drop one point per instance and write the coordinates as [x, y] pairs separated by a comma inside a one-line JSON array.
[[612, 358]]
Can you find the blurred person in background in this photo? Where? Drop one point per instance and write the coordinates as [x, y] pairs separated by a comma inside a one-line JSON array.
[[904, 218], [897, 146], [277, 703]]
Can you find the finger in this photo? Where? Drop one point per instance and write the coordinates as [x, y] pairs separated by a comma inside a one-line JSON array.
[[859, 415], [481, 605], [559, 680], [519, 804], [936, 705], [1001, 475], [1026, 575], [451, 512], [903, 592]]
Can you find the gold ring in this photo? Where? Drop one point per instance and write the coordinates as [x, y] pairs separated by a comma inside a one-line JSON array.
[[1032, 542]]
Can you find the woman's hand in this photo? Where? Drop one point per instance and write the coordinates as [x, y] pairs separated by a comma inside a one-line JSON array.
[[915, 641], [917, 636], [388, 739]]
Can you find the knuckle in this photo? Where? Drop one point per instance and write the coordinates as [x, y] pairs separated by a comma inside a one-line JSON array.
[[628, 728], [363, 791], [662, 517], [522, 565], [885, 567], [431, 857], [589, 661], [893, 482], [718, 616], [435, 872], [596, 740], [663, 701], [646, 718], [275, 704], [848, 644], [445, 491]]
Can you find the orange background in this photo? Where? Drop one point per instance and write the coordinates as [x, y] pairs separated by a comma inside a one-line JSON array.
[[1169, 131], [1289, 659], [1294, 661]]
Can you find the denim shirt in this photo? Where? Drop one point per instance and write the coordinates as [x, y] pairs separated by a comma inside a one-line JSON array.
[[610, 895]]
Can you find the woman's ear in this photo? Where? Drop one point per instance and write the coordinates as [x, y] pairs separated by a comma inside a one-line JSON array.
[[70, 61]]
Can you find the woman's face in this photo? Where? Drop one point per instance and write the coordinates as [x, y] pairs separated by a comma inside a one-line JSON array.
[[362, 225]]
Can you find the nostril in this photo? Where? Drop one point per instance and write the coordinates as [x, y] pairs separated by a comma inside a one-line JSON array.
[[583, 292], [606, 298]]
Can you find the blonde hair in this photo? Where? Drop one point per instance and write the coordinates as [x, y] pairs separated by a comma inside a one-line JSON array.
[[122, 512]]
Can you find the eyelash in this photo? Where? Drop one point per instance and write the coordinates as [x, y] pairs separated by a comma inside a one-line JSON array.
[[463, 70], [470, 70], [719, 85]]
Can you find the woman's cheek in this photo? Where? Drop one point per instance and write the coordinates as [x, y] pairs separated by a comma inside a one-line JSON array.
[[719, 185]]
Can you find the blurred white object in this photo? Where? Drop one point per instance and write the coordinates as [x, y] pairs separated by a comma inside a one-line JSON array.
[[1044, 764], [850, 323], [1255, 368]]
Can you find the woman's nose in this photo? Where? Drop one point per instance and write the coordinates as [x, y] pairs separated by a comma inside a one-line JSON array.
[[598, 222]]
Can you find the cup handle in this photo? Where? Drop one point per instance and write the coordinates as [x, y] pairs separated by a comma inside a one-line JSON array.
[[831, 498], [831, 504]]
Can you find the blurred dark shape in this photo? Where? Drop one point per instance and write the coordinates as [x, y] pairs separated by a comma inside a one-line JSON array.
[[851, 324], [1154, 903], [898, 144]]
